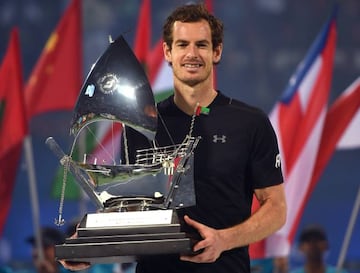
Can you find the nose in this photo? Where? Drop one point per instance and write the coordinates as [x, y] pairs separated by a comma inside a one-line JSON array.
[[192, 51]]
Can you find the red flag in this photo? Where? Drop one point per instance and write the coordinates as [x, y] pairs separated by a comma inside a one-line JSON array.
[[155, 60], [143, 32], [55, 81], [13, 124], [344, 111], [298, 119], [209, 5], [108, 136]]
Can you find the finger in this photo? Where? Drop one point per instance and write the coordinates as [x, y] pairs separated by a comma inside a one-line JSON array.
[[200, 246], [74, 266], [193, 223], [199, 258], [192, 258], [190, 221]]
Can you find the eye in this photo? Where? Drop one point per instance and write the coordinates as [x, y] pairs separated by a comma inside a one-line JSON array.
[[202, 45], [181, 44]]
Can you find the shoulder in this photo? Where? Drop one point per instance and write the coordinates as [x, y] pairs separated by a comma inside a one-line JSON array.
[[332, 269], [246, 113], [250, 110], [6, 269], [298, 270], [166, 104], [240, 107]]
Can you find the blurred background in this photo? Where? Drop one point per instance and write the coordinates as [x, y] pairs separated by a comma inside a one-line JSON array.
[[264, 42]]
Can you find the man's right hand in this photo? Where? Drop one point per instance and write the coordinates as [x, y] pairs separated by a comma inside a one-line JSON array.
[[74, 266]]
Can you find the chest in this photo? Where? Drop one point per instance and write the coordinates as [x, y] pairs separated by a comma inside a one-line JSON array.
[[226, 139]]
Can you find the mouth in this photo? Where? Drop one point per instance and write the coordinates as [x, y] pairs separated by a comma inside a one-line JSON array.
[[192, 66]]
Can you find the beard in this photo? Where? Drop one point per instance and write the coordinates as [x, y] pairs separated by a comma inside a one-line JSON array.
[[191, 80]]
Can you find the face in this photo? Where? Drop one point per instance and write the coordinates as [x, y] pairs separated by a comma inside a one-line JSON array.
[[314, 249], [48, 251], [48, 264], [192, 55]]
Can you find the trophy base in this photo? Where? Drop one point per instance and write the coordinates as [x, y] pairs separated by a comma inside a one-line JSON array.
[[126, 243]]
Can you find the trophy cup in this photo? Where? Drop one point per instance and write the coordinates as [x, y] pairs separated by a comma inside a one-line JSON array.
[[136, 203]]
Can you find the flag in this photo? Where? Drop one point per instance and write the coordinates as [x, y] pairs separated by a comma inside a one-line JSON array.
[[143, 32], [298, 120], [341, 129], [209, 5], [159, 73], [13, 124], [345, 112], [56, 79], [96, 144], [108, 134]]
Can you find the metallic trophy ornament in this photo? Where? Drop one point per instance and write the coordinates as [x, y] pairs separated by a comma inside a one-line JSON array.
[[136, 203]]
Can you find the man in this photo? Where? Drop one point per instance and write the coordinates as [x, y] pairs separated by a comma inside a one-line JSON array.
[[50, 237], [270, 265], [236, 157], [313, 243]]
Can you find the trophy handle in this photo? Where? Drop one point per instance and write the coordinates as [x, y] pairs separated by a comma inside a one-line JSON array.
[[182, 183], [81, 176]]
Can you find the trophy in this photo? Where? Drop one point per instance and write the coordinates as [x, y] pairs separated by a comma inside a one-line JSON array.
[[136, 203]]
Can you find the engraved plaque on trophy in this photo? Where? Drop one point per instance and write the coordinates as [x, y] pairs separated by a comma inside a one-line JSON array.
[[137, 202]]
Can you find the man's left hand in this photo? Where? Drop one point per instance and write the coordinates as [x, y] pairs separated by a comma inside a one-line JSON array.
[[209, 248]]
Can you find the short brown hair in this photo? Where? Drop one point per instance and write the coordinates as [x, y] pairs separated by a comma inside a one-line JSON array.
[[193, 13], [312, 233]]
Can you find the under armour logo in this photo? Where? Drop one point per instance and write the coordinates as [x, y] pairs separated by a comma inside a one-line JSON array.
[[217, 138], [277, 161]]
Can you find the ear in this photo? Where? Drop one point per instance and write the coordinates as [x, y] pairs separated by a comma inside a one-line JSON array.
[[301, 247], [167, 52], [325, 245], [217, 53]]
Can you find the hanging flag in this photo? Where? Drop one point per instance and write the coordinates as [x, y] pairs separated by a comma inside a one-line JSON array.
[[55, 81], [298, 120], [107, 149], [159, 73], [143, 32], [85, 144], [98, 143], [108, 133], [209, 5], [341, 130], [346, 109], [13, 123]]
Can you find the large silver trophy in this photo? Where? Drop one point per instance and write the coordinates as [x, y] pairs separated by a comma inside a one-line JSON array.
[[136, 203]]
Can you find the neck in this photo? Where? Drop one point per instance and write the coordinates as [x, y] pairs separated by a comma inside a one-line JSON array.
[[315, 267], [187, 98]]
